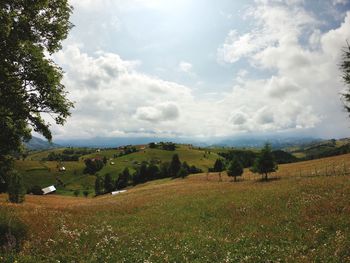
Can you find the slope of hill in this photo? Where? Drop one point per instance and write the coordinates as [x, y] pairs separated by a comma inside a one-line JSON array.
[[37, 170], [197, 219], [39, 144]]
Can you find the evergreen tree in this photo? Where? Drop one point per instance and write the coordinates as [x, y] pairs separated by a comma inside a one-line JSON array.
[[265, 162], [16, 190], [152, 172], [182, 172], [186, 167], [123, 179], [235, 169], [164, 170], [108, 183], [174, 166], [98, 185], [219, 167], [143, 172]]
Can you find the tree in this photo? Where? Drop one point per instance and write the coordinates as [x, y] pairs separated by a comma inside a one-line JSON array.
[[164, 170], [186, 167], [16, 188], [98, 185], [235, 169], [76, 193], [30, 82], [104, 160], [265, 162], [182, 172], [345, 68], [174, 166], [219, 167], [108, 183], [93, 165], [152, 172], [123, 179]]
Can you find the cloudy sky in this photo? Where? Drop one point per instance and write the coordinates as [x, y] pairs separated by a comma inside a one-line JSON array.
[[203, 68]]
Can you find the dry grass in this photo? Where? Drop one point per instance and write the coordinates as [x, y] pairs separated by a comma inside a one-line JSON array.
[[295, 219]]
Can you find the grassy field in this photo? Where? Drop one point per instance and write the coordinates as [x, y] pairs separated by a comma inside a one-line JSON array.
[[198, 219]]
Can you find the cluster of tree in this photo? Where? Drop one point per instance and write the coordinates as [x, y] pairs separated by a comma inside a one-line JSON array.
[[167, 146], [126, 150], [264, 163], [92, 166], [321, 152], [144, 173], [80, 152], [63, 157], [106, 184], [248, 157]]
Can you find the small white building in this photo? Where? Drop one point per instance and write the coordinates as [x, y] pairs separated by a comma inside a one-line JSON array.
[[48, 190], [112, 163], [62, 169], [118, 192]]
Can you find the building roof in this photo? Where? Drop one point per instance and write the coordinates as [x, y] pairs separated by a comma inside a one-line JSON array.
[[49, 189]]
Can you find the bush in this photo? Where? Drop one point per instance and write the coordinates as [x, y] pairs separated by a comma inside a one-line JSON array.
[[16, 188], [36, 190], [12, 232]]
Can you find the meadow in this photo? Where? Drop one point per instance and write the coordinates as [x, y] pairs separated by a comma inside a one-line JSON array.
[[292, 218], [44, 173]]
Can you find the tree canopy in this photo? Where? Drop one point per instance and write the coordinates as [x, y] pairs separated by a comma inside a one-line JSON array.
[[265, 162], [235, 169], [345, 68], [30, 82]]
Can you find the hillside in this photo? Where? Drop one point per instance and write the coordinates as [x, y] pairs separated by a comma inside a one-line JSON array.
[[198, 219], [36, 143], [38, 171]]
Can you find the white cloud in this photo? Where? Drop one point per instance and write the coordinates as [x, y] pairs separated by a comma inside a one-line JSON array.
[[304, 90], [115, 98], [187, 68]]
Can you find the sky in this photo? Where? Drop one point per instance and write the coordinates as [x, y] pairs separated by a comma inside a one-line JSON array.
[[204, 69]]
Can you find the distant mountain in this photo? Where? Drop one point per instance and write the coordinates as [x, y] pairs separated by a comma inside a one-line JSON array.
[[36, 143], [248, 141]]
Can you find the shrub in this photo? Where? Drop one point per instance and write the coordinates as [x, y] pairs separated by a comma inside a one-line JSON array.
[[16, 188], [36, 190], [12, 232], [76, 193]]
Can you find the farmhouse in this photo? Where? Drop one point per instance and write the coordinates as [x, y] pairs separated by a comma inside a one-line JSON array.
[[48, 190]]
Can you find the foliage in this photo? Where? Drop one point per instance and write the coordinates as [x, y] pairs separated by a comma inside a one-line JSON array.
[[246, 157], [345, 68], [183, 172], [219, 166], [99, 183], [76, 192], [93, 165], [86, 193], [16, 190], [108, 183], [235, 169], [123, 179], [6, 165], [265, 162], [30, 81], [36, 190], [174, 166], [12, 231]]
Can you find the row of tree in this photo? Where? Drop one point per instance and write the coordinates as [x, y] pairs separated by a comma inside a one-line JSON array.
[[144, 173]]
